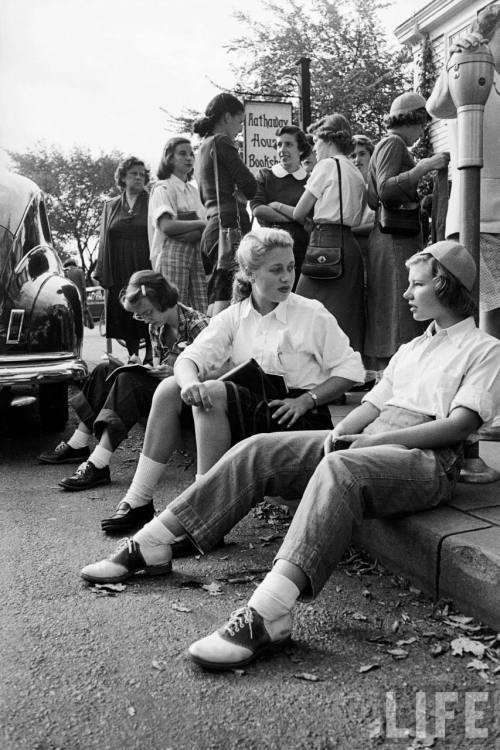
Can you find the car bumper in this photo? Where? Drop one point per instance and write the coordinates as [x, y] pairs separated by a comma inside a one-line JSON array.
[[36, 371]]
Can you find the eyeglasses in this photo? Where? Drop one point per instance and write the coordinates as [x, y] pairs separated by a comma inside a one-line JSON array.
[[146, 315]]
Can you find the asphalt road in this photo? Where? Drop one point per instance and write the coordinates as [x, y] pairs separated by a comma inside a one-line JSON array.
[[86, 669]]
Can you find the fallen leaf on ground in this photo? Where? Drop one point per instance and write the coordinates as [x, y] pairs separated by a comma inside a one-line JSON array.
[[463, 645], [406, 642], [307, 676], [397, 653], [368, 667], [438, 649], [480, 666], [131, 711], [270, 537], [180, 608], [110, 586], [214, 589], [239, 672], [359, 616], [395, 626], [159, 665]]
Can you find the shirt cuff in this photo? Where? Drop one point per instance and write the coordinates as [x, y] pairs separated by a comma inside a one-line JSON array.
[[478, 401], [165, 208]]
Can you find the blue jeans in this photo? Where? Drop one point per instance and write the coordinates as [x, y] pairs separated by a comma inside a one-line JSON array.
[[337, 490]]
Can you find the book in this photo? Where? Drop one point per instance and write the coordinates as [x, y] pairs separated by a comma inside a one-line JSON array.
[[146, 369], [250, 375]]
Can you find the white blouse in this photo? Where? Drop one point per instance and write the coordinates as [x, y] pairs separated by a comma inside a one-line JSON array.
[[299, 340], [443, 369], [171, 196], [323, 184]]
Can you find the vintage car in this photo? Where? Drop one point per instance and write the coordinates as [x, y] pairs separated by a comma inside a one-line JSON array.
[[41, 324]]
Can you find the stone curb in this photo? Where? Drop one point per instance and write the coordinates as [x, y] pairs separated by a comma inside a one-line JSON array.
[[450, 552]]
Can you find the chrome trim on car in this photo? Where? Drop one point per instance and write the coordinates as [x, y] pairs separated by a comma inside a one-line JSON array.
[[43, 372]]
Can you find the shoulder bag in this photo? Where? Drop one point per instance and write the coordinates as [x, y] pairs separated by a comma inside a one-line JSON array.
[[402, 220], [229, 237], [322, 261]]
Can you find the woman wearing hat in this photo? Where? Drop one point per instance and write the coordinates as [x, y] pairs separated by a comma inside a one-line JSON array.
[[392, 179]]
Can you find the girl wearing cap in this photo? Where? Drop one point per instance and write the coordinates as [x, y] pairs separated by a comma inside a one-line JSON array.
[[393, 178], [401, 454]]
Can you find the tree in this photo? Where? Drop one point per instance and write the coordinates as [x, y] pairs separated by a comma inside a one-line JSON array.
[[75, 184], [353, 69]]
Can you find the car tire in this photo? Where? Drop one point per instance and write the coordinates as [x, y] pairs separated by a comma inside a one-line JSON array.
[[53, 406]]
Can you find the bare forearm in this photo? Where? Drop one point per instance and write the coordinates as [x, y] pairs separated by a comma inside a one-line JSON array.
[[185, 372], [440, 433], [357, 420]]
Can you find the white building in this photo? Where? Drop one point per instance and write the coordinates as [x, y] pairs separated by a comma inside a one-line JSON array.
[[441, 21]]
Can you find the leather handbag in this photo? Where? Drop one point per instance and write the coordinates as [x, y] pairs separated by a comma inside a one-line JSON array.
[[322, 260], [229, 237], [250, 375], [402, 220]]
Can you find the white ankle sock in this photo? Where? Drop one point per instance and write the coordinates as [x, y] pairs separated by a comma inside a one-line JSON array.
[[100, 457], [79, 439], [146, 477], [275, 596], [155, 541]]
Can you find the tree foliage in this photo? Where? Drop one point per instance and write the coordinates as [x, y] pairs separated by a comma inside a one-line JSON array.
[[353, 69], [75, 184]]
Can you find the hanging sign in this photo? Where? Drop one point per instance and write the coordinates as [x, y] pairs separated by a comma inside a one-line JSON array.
[[262, 119]]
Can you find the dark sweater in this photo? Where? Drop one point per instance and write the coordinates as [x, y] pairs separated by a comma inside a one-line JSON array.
[[232, 173]]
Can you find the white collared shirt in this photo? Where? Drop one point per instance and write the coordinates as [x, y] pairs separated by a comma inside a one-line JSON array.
[[279, 171], [323, 184], [441, 370], [171, 196], [299, 339]]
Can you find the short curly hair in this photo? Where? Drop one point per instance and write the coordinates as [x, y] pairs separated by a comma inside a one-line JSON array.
[[415, 117], [336, 129], [300, 138], [124, 166], [364, 142]]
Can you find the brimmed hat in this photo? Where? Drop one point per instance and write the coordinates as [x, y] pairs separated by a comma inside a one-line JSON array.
[[407, 102], [456, 259]]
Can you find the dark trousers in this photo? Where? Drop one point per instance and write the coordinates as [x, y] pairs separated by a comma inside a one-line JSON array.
[[117, 407]]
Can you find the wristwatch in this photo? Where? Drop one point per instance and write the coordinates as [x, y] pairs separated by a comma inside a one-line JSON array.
[[314, 398]]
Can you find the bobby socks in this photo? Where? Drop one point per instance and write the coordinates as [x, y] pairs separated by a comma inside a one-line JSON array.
[[155, 541], [100, 457], [275, 596], [146, 477], [79, 439]]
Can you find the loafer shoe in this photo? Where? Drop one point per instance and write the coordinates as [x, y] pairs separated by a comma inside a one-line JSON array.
[[125, 517], [86, 476], [126, 561], [244, 637], [64, 454]]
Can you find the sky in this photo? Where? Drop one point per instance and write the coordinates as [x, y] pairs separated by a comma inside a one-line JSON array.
[[98, 72]]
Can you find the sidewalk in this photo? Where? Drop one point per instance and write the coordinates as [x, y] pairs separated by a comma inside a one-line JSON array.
[[450, 552]]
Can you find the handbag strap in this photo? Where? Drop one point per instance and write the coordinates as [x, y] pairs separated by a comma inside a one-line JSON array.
[[216, 175], [339, 173]]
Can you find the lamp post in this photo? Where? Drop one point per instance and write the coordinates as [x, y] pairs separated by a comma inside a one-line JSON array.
[[470, 77], [304, 92]]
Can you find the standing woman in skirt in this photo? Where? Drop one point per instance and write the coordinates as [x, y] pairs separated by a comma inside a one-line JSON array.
[[225, 198], [343, 296], [123, 250], [392, 179], [176, 223]]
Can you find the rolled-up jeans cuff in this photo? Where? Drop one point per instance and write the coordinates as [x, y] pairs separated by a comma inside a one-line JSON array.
[[83, 409]]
